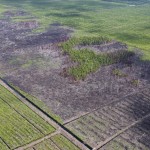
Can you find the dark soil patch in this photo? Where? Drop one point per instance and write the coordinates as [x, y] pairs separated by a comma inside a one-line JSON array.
[[18, 35], [34, 63]]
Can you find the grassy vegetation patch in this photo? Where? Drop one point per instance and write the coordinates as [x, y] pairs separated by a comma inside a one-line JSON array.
[[135, 82], [45, 145], [63, 143], [119, 73], [57, 142], [113, 18], [87, 60], [3, 146]]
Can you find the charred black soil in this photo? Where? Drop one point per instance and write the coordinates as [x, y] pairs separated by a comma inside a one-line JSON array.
[[34, 63]]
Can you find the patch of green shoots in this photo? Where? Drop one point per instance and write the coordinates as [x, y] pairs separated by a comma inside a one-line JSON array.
[[87, 60], [119, 73]]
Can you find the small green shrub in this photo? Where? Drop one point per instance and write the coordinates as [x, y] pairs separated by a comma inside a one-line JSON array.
[[119, 73], [135, 82]]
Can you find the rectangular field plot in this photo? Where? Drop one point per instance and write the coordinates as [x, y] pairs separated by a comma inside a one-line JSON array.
[[19, 124], [136, 138], [46, 145], [57, 142], [63, 143], [3, 146], [98, 126]]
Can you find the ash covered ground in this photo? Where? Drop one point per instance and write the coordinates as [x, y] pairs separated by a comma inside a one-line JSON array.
[[35, 63]]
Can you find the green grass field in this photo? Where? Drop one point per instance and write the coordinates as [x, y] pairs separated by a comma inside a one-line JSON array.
[[19, 124], [126, 21], [57, 142], [63, 143]]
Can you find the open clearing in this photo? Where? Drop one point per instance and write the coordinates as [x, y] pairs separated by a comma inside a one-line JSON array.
[[97, 127], [31, 58], [35, 63], [90, 69]]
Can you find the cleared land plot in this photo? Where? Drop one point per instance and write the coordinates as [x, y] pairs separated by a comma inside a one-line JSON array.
[[19, 124], [57, 142], [136, 138], [102, 124], [37, 69], [35, 63]]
